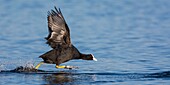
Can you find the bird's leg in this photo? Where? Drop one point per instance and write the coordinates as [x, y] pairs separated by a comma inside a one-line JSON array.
[[38, 65], [65, 67]]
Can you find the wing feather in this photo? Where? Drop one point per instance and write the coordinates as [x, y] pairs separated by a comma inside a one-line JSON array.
[[59, 34]]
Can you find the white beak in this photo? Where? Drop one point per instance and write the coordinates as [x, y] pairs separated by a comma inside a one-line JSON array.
[[94, 58]]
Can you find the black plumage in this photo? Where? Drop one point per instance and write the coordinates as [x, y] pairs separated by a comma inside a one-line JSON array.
[[60, 42]]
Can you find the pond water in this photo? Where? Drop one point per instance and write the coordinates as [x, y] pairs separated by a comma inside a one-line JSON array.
[[130, 39]]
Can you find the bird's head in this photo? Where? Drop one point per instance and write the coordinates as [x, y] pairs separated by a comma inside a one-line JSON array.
[[88, 57]]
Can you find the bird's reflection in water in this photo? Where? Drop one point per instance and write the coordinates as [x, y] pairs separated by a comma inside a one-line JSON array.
[[58, 78], [68, 78]]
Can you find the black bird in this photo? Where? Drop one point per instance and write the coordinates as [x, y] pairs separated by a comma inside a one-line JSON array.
[[59, 40]]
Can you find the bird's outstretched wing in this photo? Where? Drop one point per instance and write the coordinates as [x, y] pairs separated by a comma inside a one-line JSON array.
[[59, 34]]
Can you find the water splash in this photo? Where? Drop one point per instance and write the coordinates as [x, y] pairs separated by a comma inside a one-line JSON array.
[[28, 67], [24, 69], [2, 67]]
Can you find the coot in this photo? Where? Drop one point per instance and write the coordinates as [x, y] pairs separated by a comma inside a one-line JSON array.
[[59, 40]]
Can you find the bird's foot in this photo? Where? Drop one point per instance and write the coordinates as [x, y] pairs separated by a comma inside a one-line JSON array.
[[67, 67]]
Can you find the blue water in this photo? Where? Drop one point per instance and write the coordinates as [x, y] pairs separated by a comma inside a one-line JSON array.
[[130, 39]]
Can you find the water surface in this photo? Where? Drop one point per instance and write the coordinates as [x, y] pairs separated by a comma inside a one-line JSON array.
[[129, 38]]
